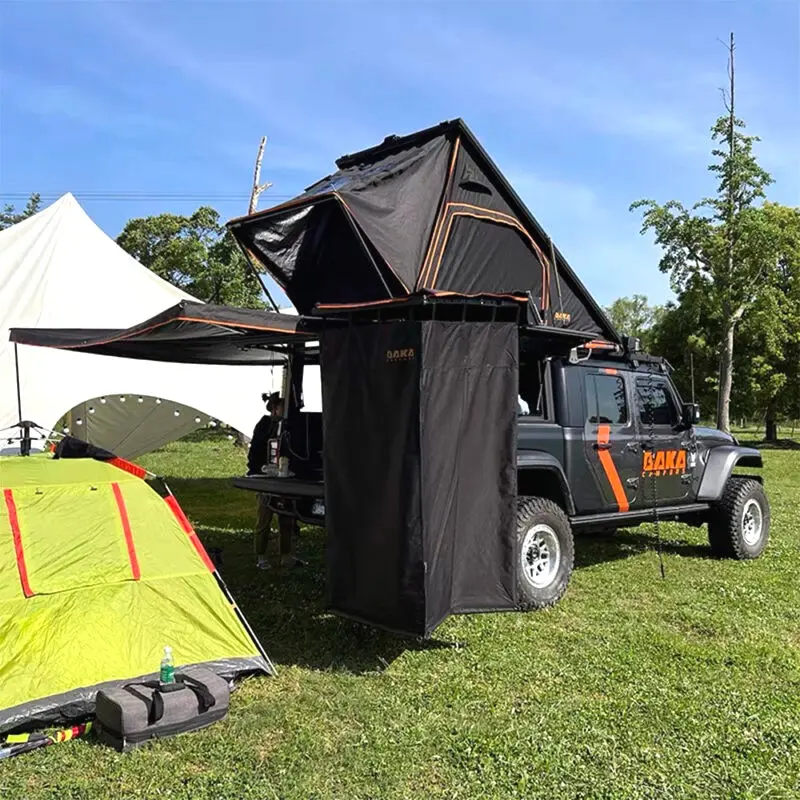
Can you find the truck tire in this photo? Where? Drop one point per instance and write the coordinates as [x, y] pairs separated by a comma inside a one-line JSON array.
[[545, 553], [739, 523]]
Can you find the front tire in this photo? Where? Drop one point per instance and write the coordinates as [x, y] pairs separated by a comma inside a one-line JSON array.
[[545, 553], [739, 523]]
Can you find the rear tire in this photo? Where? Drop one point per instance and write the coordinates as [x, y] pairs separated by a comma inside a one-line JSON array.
[[545, 553], [739, 523]]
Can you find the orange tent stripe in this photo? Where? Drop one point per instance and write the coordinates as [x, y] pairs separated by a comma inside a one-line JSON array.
[[126, 529], [189, 530], [127, 466], [13, 518]]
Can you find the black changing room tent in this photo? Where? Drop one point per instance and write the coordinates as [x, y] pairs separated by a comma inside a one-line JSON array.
[[428, 212]]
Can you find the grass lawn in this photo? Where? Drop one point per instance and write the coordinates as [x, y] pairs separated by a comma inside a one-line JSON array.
[[631, 687]]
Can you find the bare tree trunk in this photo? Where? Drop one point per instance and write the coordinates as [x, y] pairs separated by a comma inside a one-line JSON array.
[[771, 424], [258, 188], [726, 379], [242, 440], [726, 360]]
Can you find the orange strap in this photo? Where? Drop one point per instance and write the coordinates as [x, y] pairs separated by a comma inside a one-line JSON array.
[[126, 529], [13, 518], [127, 466], [189, 530], [603, 437]]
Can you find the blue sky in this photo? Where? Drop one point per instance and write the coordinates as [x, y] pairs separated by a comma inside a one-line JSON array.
[[586, 105]]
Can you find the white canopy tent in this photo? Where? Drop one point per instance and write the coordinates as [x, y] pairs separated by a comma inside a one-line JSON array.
[[58, 269]]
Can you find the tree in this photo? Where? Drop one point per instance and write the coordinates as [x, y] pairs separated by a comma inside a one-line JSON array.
[[9, 215], [770, 366], [196, 254], [725, 244], [633, 316], [767, 355]]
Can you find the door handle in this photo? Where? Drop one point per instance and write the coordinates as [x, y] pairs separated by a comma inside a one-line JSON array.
[[632, 446], [602, 446], [632, 482]]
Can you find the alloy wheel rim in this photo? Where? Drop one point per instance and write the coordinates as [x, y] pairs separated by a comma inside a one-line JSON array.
[[752, 522], [540, 556]]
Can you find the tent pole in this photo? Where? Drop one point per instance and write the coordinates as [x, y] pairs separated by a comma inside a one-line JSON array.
[[241, 617], [555, 270], [19, 390], [252, 266]]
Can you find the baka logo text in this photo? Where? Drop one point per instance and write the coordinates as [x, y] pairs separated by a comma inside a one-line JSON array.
[[664, 462], [405, 354]]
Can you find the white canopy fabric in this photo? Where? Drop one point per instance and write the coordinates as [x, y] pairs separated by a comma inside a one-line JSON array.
[[58, 269]]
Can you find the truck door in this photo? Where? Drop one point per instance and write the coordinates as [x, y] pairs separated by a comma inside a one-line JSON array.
[[610, 442], [666, 461]]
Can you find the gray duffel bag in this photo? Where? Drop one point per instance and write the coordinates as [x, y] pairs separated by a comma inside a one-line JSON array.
[[142, 710]]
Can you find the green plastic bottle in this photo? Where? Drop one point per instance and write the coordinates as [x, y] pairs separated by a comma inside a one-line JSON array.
[[167, 671]]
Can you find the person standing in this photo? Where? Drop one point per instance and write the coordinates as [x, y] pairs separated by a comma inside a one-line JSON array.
[[258, 458]]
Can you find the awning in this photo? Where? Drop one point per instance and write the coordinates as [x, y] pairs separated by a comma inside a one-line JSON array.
[[189, 333]]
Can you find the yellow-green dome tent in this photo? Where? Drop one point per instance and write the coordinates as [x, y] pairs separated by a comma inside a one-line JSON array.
[[98, 572]]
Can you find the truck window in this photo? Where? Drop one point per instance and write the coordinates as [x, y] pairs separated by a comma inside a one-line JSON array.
[[531, 400], [605, 400], [656, 403]]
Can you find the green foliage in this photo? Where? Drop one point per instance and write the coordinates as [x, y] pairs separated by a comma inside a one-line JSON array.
[[634, 316], [696, 241], [632, 687], [196, 254], [726, 249], [767, 357], [9, 215]]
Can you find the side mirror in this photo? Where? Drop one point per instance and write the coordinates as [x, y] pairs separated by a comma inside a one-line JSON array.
[[690, 414]]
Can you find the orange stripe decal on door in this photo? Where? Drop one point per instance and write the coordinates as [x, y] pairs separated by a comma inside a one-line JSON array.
[[603, 437]]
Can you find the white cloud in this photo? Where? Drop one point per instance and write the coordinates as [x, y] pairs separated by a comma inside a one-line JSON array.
[[600, 240], [302, 132], [57, 100]]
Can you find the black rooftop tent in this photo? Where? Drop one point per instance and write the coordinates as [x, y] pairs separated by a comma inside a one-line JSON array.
[[428, 212]]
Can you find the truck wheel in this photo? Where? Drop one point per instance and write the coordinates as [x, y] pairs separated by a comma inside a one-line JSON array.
[[739, 523], [545, 552]]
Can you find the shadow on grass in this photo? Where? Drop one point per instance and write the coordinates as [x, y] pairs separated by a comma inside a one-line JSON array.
[[599, 548], [286, 608], [780, 444]]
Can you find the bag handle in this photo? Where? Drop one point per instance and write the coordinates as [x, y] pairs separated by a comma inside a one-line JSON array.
[[154, 703], [207, 700]]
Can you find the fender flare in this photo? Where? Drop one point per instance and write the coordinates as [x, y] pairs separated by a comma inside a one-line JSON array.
[[540, 460], [719, 467]]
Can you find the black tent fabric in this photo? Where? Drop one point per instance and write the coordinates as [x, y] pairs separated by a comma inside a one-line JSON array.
[[189, 333], [419, 468], [425, 212]]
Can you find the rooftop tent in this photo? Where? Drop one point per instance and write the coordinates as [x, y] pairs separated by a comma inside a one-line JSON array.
[[428, 212], [58, 269], [87, 547]]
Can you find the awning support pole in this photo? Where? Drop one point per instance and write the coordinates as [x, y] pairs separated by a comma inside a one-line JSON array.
[[19, 390], [252, 266]]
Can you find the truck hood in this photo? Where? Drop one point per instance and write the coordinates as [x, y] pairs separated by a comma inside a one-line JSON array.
[[713, 435]]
